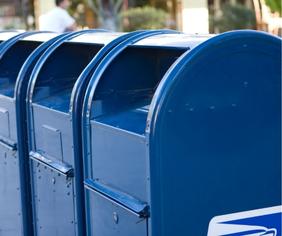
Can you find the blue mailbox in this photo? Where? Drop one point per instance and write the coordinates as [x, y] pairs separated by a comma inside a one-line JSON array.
[[15, 207], [55, 96], [179, 129], [7, 34]]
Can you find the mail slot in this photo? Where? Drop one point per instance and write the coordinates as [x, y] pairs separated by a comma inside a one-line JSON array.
[[55, 94], [178, 129], [15, 208]]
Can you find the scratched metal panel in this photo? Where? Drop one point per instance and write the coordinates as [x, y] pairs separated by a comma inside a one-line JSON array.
[[109, 219], [10, 199], [53, 192]]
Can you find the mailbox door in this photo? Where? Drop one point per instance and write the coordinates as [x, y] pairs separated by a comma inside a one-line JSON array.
[[110, 219], [10, 213], [53, 191]]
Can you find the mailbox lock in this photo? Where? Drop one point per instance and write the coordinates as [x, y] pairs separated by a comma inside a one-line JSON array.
[[115, 216]]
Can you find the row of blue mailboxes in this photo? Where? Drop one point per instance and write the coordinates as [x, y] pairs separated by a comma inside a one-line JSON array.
[[149, 133]]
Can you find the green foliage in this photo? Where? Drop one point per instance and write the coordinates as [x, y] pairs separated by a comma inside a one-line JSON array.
[[235, 16], [137, 3], [275, 5], [144, 18]]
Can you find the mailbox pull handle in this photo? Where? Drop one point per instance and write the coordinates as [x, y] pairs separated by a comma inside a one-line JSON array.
[[8, 144], [60, 167], [137, 207]]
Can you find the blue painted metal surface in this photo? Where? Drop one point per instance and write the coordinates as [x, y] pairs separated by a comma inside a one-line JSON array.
[[115, 172], [162, 133], [214, 133], [22, 145], [54, 106], [190, 129], [5, 46], [15, 213], [59, 190], [76, 102], [4, 35]]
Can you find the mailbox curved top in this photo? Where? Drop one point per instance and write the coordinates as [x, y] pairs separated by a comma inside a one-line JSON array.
[[161, 40], [86, 37], [100, 37], [4, 35], [9, 39], [40, 36], [14, 51], [171, 40], [246, 48], [215, 121]]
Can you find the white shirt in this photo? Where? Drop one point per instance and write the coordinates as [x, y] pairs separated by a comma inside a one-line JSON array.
[[56, 20]]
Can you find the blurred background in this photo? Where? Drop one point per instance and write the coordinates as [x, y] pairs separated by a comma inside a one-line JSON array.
[[190, 16]]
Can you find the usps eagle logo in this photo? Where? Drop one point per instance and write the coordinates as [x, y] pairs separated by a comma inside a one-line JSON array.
[[261, 222]]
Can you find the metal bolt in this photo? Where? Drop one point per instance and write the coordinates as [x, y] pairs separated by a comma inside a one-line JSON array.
[[53, 180]]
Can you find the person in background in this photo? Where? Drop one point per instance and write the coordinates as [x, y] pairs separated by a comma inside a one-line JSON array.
[[58, 19]]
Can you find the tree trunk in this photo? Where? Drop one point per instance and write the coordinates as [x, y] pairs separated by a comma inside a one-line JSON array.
[[107, 12]]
